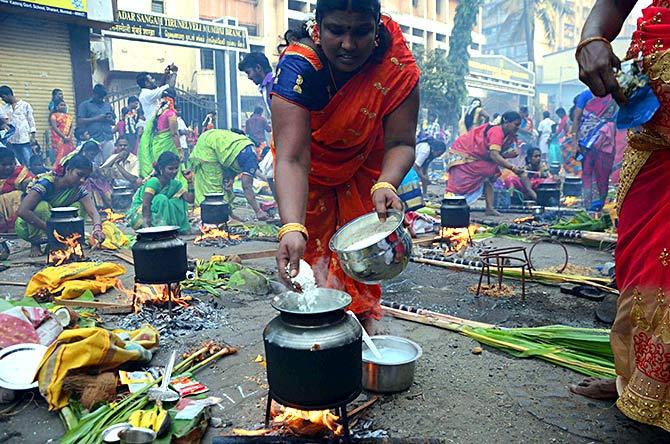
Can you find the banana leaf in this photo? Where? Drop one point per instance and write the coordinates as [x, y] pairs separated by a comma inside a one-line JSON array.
[[582, 221]]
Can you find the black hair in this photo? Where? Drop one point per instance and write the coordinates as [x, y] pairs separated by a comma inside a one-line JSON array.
[[120, 138], [255, 58], [170, 92], [546, 114], [132, 99], [325, 7], [56, 103], [7, 154], [560, 112], [124, 110], [99, 90], [78, 162], [6, 91], [238, 131], [437, 146], [55, 91], [165, 159], [141, 79], [79, 132], [530, 150], [258, 110], [510, 116], [90, 145], [523, 109]]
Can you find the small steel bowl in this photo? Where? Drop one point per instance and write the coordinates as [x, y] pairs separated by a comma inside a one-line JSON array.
[[391, 378], [380, 259]]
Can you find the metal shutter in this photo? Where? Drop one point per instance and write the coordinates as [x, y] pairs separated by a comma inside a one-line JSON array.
[[34, 59]]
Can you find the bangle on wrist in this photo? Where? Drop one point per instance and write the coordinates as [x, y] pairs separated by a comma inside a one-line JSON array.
[[590, 40], [384, 185], [290, 227]]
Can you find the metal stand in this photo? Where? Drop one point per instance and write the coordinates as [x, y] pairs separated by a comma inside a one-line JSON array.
[[341, 410], [502, 258]]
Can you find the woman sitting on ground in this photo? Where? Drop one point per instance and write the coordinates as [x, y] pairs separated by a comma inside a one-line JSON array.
[[13, 182], [162, 200], [55, 190], [536, 174]]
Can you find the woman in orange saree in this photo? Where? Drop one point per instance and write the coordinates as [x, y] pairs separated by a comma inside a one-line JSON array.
[[640, 336], [61, 131], [344, 114]]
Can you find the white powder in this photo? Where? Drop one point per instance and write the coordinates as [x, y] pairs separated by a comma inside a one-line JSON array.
[[366, 242]]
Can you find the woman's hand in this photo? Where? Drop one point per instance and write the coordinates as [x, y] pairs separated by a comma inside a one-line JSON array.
[[518, 170], [597, 65], [98, 234], [385, 198], [291, 250]]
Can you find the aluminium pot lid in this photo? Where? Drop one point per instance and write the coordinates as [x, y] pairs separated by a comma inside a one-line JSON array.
[[18, 365], [158, 230], [318, 301]]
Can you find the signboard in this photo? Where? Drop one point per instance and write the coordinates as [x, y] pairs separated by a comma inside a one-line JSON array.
[[498, 73], [173, 31], [75, 8]]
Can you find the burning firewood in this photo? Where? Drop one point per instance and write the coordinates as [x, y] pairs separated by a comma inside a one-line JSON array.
[[216, 236], [72, 250]]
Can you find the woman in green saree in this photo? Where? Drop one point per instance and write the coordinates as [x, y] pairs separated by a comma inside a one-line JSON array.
[[161, 136], [162, 200], [56, 190]]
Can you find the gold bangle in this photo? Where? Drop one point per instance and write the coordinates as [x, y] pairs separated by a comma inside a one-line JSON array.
[[287, 228], [586, 41], [380, 185]]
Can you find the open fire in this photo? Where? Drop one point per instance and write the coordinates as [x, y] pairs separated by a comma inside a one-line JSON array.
[[570, 201], [457, 239], [523, 220], [158, 294], [72, 250], [303, 423], [213, 233]]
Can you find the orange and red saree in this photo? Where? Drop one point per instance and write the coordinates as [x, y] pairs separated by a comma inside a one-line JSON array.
[[640, 335], [61, 147], [347, 152]]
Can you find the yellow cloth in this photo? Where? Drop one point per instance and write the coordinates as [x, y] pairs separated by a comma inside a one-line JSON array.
[[90, 349], [71, 280], [114, 238]]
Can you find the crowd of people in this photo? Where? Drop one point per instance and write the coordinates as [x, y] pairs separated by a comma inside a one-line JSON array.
[[148, 148]]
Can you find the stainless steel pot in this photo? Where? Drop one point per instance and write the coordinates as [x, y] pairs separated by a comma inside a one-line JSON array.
[[572, 186], [122, 197], [313, 350], [159, 256], [137, 435], [390, 377], [370, 251]]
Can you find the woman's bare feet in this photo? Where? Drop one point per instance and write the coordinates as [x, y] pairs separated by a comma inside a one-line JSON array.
[[595, 388], [35, 250], [492, 212]]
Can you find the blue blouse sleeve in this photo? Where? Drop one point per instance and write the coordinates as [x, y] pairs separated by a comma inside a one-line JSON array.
[[298, 81]]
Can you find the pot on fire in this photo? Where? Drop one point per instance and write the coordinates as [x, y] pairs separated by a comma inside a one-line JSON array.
[[313, 350], [572, 186], [159, 256], [548, 194], [214, 210], [63, 224], [122, 197], [454, 212]]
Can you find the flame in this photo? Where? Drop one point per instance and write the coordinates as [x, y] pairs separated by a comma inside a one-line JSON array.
[[157, 294], [215, 233], [72, 248], [112, 216], [458, 238], [306, 423], [570, 201], [523, 220]]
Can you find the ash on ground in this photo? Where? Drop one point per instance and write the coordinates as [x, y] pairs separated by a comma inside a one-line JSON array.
[[197, 316]]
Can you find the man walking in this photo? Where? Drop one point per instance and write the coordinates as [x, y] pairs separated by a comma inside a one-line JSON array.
[[256, 126], [545, 130], [97, 117], [20, 115]]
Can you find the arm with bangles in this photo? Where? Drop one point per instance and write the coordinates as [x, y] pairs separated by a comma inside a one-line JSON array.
[[399, 146], [293, 139], [88, 205], [594, 54]]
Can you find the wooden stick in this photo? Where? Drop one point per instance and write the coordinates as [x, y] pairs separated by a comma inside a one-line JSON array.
[[124, 257], [104, 307], [426, 240], [433, 314], [427, 317], [363, 406], [14, 284], [256, 254], [225, 351]]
